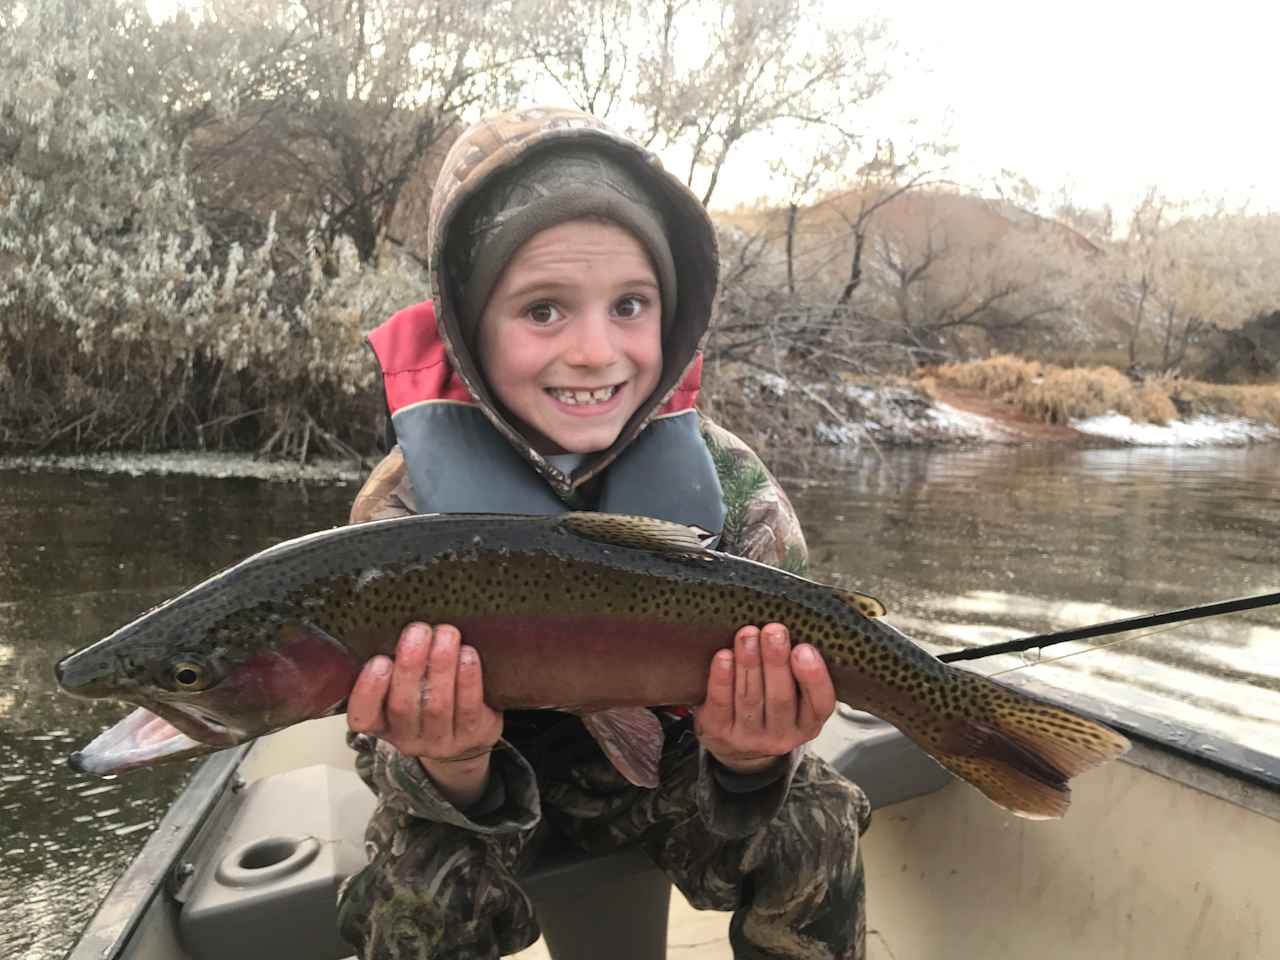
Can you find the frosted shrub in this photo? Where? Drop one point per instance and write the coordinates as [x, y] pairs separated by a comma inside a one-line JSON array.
[[123, 322]]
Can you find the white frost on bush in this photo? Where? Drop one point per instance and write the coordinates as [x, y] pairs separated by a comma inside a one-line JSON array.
[[837, 434], [112, 284], [1201, 431], [772, 383]]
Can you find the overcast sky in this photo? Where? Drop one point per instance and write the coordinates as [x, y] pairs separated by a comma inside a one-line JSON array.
[[1104, 97]]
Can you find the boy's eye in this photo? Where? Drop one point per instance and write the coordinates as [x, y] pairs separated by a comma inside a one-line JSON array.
[[543, 313], [629, 307]]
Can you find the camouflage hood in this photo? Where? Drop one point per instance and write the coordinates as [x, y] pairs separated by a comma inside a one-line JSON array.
[[497, 145]]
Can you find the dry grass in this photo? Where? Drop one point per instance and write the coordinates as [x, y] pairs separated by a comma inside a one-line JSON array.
[[997, 377], [1257, 402], [1061, 394]]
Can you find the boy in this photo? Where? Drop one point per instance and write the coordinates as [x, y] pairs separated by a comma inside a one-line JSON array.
[[557, 369]]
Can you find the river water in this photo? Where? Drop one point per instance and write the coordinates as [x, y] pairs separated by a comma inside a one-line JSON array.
[[962, 547]]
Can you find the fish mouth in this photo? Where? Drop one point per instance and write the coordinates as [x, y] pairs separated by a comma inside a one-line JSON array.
[[140, 739]]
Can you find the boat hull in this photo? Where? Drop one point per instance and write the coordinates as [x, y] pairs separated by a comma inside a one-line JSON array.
[[1162, 855], [1156, 858]]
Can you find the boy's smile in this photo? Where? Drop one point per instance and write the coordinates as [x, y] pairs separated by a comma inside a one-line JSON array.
[[571, 338]]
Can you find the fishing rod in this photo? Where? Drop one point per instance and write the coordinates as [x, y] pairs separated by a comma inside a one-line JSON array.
[[1114, 626]]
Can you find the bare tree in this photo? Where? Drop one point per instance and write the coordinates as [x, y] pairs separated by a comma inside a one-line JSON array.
[[768, 62], [956, 264], [807, 175], [880, 181], [1137, 259], [356, 94], [587, 48], [699, 77], [1182, 270]]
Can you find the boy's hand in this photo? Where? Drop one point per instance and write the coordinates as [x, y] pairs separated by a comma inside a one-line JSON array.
[[764, 699], [429, 703]]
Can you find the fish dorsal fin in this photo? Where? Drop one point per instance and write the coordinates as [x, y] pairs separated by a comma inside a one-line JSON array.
[[865, 605], [641, 533]]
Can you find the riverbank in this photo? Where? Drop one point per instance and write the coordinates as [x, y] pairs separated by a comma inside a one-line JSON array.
[[1041, 400], [993, 403], [873, 414], [1007, 423]]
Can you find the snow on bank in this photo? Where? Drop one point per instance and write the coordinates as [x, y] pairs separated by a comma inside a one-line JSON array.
[[963, 425], [200, 464], [901, 415], [1199, 432]]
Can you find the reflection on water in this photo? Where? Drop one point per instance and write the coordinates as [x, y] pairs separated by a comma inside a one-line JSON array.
[[79, 556], [979, 547], [964, 548]]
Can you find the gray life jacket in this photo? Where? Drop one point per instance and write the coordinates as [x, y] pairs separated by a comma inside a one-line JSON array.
[[459, 463]]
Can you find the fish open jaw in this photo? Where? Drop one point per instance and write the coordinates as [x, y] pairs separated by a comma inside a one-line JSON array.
[[139, 739]]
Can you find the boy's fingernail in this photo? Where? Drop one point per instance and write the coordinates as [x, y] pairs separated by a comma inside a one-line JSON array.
[[468, 656], [750, 643], [807, 655], [777, 638], [380, 667]]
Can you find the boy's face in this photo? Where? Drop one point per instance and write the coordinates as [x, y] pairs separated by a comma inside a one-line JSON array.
[[571, 338]]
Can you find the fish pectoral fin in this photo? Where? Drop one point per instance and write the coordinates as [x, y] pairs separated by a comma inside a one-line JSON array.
[[865, 605], [631, 737], [641, 533], [309, 670]]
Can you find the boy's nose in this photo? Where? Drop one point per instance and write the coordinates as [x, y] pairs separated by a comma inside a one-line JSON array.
[[593, 343]]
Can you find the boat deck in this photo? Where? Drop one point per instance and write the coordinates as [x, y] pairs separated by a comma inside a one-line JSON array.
[[692, 934], [699, 935], [1163, 855]]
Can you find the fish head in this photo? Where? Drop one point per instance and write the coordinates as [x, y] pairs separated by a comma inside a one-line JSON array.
[[235, 683]]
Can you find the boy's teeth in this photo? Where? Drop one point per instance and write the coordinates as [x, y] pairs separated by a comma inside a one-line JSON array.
[[584, 396]]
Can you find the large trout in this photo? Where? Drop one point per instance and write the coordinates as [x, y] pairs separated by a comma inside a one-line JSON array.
[[583, 611]]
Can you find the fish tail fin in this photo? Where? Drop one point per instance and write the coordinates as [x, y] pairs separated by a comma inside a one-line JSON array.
[[1018, 750]]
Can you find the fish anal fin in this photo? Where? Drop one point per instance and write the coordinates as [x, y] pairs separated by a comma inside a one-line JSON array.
[[631, 737], [866, 605], [1008, 787], [641, 533], [1024, 752]]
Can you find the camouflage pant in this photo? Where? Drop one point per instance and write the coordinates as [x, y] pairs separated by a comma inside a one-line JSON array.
[[434, 890]]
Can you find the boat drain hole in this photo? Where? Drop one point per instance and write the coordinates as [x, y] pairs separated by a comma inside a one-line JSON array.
[[267, 860], [266, 853]]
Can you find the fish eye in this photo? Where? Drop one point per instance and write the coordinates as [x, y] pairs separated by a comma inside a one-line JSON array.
[[189, 675]]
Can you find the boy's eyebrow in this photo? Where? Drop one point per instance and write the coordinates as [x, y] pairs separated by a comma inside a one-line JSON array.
[[549, 284]]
